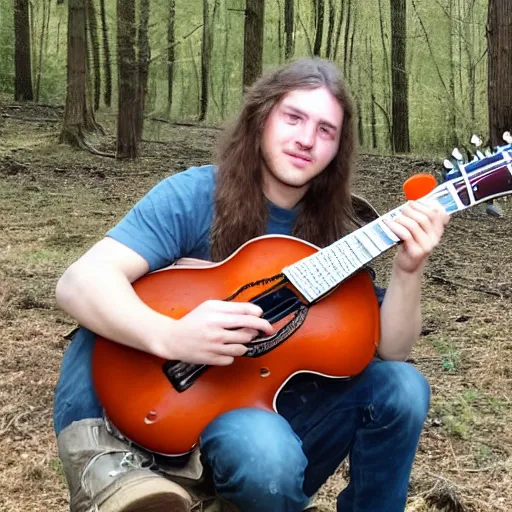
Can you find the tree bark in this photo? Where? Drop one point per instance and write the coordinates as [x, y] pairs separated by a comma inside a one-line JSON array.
[[253, 41], [452, 113], [78, 116], [319, 26], [206, 58], [330, 29], [171, 53], [499, 37], [144, 53], [42, 36], [289, 28], [92, 26], [399, 78], [107, 66], [127, 105], [22, 62]]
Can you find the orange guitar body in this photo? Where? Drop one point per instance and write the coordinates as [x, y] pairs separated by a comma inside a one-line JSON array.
[[338, 338]]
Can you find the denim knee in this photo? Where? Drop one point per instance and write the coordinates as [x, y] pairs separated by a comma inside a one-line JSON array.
[[401, 395], [75, 398], [256, 460]]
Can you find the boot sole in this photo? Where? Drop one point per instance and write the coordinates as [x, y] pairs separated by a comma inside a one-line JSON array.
[[149, 495]]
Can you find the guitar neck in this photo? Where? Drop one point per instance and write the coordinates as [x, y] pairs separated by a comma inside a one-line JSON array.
[[319, 273]]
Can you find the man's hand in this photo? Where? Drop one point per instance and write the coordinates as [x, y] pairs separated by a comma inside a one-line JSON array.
[[216, 332], [420, 226]]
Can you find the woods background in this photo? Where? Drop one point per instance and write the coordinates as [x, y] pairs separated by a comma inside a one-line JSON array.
[[153, 80], [419, 69]]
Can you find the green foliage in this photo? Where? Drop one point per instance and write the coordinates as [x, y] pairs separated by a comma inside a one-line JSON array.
[[450, 355], [440, 45], [6, 46]]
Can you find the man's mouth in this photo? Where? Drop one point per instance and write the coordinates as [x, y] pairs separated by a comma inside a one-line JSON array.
[[299, 157]]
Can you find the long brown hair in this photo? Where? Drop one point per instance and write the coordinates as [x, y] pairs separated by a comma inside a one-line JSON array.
[[241, 210]]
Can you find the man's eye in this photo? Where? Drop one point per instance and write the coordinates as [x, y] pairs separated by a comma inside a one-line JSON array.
[[292, 118]]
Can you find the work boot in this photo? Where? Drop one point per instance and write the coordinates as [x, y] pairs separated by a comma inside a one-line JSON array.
[[106, 475]]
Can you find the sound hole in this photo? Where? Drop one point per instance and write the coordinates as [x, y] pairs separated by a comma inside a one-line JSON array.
[[264, 372]]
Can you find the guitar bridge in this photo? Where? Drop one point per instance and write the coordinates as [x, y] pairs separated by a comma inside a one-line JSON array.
[[182, 375]]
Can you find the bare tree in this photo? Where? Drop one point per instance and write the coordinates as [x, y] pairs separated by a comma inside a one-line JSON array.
[[452, 111], [399, 78], [499, 37], [319, 11], [206, 55], [330, 28], [127, 107], [43, 40], [253, 41], [171, 53], [348, 25], [78, 116], [107, 66], [22, 62], [143, 66], [338, 30], [92, 28], [289, 28]]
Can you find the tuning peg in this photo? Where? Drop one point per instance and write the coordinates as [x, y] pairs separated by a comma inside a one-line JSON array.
[[457, 155], [448, 165], [477, 141], [507, 137]]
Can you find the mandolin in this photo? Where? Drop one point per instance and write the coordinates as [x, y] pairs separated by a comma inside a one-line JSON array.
[[321, 302]]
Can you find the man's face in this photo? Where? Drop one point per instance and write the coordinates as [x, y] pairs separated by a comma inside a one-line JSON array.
[[300, 138]]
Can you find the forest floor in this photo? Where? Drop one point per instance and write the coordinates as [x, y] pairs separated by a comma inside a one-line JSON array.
[[55, 202]]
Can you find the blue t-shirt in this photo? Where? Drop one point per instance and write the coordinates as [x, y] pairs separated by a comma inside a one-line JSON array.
[[173, 220]]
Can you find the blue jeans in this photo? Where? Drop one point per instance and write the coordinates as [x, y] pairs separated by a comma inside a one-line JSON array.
[[261, 460]]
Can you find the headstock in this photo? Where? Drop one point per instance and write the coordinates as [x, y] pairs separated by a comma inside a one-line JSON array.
[[481, 177], [484, 177]]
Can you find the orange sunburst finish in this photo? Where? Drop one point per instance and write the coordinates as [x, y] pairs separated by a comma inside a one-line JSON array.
[[338, 338]]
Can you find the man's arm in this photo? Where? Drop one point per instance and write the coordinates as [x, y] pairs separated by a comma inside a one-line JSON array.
[[420, 227], [96, 290]]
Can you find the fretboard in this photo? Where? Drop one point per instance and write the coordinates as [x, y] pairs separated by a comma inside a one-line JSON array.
[[319, 273], [315, 275]]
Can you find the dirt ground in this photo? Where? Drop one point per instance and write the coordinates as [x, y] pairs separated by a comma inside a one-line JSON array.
[[56, 202]]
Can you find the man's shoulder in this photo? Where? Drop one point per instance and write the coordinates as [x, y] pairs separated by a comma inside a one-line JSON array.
[[195, 184], [202, 175]]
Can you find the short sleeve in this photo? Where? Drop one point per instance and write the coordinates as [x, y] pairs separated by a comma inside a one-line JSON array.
[[172, 220]]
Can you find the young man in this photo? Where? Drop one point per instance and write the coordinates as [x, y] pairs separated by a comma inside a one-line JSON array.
[[291, 153]]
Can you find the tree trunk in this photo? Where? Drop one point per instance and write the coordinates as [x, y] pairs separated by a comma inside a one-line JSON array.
[[373, 117], [253, 41], [348, 24], [319, 26], [44, 29], [289, 28], [399, 78], [206, 57], [338, 29], [452, 121], [23, 70], [107, 67], [499, 38], [127, 104], [92, 26], [171, 53], [78, 116], [143, 65], [330, 29]]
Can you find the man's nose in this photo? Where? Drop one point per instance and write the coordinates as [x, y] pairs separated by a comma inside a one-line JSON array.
[[306, 137]]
